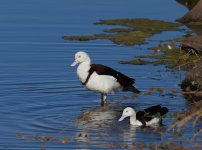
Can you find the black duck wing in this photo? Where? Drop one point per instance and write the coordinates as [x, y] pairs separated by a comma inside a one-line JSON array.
[[143, 117], [156, 109], [150, 112], [124, 80]]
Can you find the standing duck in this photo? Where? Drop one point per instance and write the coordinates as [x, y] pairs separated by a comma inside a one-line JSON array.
[[100, 78]]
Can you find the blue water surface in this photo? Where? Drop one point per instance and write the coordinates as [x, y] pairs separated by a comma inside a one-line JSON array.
[[40, 95]]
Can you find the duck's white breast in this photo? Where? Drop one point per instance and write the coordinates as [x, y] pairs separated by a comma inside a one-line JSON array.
[[96, 82], [82, 72], [103, 83]]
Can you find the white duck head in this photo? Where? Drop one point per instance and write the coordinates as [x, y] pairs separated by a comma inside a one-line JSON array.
[[81, 57], [128, 112]]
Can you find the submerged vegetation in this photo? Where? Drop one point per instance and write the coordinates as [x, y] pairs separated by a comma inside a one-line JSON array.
[[142, 24], [134, 31]]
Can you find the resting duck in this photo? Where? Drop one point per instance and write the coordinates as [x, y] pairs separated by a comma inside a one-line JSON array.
[[100, 78], [147, 117]]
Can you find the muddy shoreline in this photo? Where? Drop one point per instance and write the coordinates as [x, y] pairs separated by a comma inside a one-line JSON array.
[[192, 45]]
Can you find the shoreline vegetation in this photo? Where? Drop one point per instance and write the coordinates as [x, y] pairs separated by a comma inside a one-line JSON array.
[[133, 32]]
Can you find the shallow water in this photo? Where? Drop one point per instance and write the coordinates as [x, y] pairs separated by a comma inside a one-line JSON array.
[[40, 93]]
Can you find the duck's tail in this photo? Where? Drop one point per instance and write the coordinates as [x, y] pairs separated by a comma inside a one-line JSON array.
[[163, 111]]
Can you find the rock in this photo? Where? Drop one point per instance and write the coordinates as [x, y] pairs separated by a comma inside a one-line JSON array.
[[193, 82], [188, 3], [194, 15], [192, 45]]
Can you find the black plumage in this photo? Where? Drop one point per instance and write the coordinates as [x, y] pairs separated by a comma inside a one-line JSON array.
[[149, 113], [125, 81]]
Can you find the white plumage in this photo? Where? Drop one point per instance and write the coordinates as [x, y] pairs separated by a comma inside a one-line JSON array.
[[147, 117], [100, 78]]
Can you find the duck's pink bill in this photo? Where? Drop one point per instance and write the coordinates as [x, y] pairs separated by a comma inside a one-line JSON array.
[[73, 64], [122, 117]]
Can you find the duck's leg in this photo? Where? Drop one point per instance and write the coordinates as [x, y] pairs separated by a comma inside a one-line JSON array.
[[103, 99]]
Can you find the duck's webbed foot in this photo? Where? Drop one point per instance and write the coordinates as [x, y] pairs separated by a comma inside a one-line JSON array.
[[103, 99]]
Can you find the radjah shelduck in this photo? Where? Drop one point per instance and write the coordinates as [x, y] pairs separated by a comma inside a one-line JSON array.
[[100, 78], [147, 117]]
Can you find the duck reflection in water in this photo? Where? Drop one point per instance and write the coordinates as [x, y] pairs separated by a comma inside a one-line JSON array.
[[96, 124]]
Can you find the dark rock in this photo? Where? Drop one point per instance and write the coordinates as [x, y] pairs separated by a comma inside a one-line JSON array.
[[193, 83], [194, 15], [193, 45], [188, 3]]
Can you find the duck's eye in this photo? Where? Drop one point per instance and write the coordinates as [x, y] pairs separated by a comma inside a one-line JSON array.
[[79, 56]]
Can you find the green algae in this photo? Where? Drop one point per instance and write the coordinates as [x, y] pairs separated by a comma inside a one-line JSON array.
[[136, 62], [143, 24], [118, 30], [128, 39], [172, 57], [80, 38], [134, 32]]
